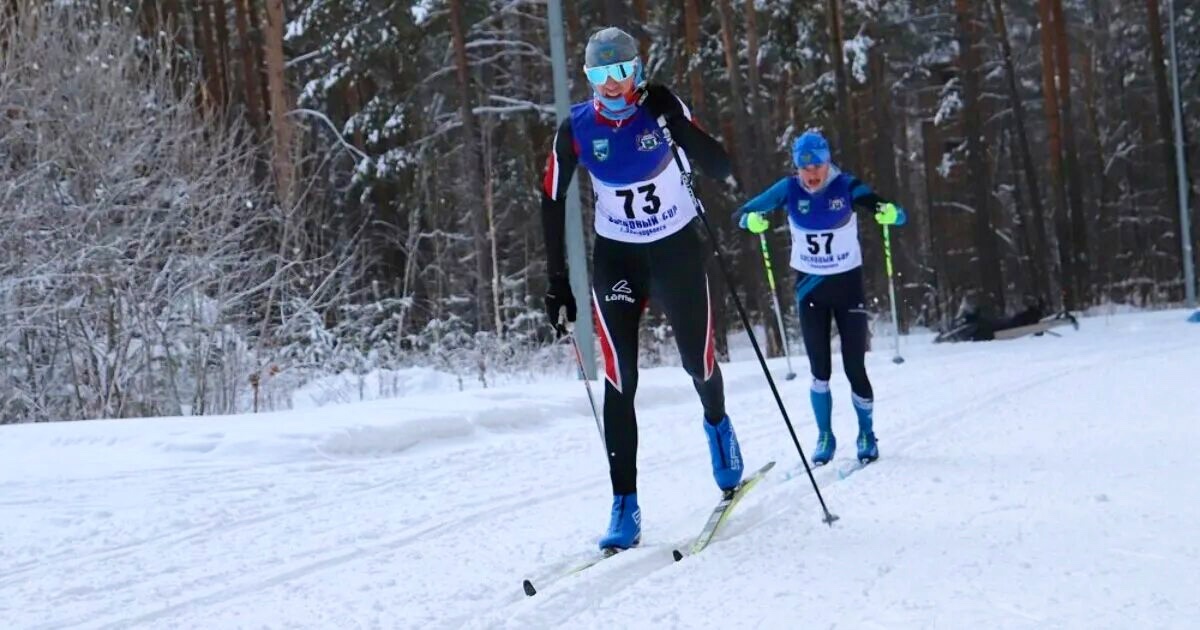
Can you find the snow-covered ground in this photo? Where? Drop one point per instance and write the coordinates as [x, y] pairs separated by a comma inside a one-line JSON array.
[[1036, 483]]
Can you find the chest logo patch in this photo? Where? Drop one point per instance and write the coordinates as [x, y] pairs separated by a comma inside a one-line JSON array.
[[600, 148], [647, 141], [837, 203]]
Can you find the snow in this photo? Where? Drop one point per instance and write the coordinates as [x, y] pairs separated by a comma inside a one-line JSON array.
[[948, 108], [1034, 483], [374, 385], [421, 11], [946, 165], [856, 52]]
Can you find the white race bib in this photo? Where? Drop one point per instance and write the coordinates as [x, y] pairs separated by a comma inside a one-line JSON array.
[[645, 211], [826, 252]]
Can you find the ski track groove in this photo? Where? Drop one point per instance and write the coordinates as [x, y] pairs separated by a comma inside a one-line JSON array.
[[67, 559], [755, 512], [910, 435], [409, 536], [566, 600], [490, 507]]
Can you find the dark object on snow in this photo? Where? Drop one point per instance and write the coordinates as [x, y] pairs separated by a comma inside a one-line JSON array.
[[1195, 318], [971, 326]]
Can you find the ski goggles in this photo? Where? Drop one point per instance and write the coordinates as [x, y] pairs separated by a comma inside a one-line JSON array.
[[599, 75]]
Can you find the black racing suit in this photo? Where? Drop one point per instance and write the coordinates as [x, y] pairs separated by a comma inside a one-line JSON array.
[[668, 272]]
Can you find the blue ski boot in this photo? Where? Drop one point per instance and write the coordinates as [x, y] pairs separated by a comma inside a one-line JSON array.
[[625, 528], [826, 445], [822, 404], [725, 453], [868, 450]]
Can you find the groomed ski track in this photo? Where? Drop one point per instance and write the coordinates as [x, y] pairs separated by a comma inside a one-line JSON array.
[[1034, 483]]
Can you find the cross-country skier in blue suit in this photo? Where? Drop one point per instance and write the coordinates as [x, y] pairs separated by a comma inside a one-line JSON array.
[[820, 201]]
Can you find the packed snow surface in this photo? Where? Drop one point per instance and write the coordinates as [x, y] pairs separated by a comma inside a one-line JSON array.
[[1044, 482]]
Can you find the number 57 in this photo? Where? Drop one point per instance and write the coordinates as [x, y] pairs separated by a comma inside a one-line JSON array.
[[814, 247]]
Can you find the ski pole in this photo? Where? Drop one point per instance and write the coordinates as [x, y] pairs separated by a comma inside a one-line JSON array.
[[686, 176], [762, 240], [887, 256], [587, 384]]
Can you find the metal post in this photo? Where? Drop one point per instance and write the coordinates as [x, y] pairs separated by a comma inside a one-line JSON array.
[[576, 255], [1189, 268]]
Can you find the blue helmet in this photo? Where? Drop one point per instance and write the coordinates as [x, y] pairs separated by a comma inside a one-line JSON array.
[[810, 149]]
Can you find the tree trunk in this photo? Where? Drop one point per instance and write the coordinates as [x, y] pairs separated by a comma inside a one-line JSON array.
[[932, 235], [149, 20], [691, 41], [885, 144], [1079, 239], [574, 35], [208, 50], [170, 24], [759, 111], [845, 141], [789, 100], [250, 64], [1104, 226], [1023, 230], [988, 262], [207, 90], [473, 184], [615, 14], [257, 25], [745, 151], [489, 204], [1165, 117], [221, 21], [883, 152], [280, 103], [741, 141], [1054, 127], [643, 18], [1041, 251]]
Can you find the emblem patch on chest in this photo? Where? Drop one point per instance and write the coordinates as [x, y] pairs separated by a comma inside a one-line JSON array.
[[600, 148], [648, 141], [802, 205], [837, 203]]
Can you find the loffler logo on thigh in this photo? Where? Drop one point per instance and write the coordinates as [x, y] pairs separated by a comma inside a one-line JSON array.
[[620, 293]]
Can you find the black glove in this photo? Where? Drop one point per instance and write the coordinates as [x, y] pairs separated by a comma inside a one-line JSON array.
[[559, 296], [659, 101]]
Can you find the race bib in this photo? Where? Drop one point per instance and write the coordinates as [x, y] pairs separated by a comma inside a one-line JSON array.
[[643, 211], [826, 252]]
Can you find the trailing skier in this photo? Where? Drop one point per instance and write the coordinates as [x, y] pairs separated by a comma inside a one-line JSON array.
[[820, 200]]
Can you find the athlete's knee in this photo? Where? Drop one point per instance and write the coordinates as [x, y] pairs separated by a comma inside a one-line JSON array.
[[699, 368], [820, 364], [856, 373], [698, 359], [821, 370], [625, 383]]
